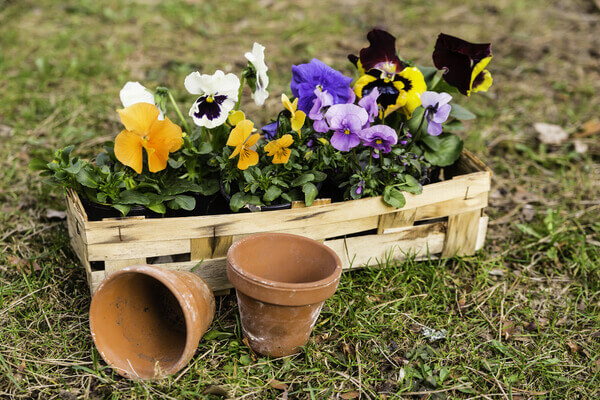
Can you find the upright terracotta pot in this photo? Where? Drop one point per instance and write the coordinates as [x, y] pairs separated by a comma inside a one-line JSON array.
[[282, 282], [147, 321]]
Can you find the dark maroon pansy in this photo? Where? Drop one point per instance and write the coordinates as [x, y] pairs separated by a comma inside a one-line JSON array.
[[380, 54], [458, 58]]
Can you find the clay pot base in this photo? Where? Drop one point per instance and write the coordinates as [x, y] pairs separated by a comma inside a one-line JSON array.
[[139, 324]]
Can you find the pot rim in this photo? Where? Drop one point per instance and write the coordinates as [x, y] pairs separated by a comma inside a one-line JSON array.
[[160, 275], [332, 278]]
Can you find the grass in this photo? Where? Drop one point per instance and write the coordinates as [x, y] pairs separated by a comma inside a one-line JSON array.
[[522, 316]]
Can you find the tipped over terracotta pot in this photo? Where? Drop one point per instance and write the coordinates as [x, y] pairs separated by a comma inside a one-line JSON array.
[[282, 282], [147, 321]]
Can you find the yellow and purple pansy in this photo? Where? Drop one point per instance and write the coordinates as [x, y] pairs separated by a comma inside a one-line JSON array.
[[399, 86], [463, 63]]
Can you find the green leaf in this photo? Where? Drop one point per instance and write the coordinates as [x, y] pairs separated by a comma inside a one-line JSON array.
[[208, 187], [526, 229], [175, 164], [237, 201], [204, 148], [182, 201], [74, 168], [393, 197], [158, 208], [428, 72], [459, 112], [302, 179], [38, 165], [133, 197], [319, 175], [310, 193], [272, 193], [412, 185], [123, 209], [415, 121], [448, 147], [212, 335], [85, 178]]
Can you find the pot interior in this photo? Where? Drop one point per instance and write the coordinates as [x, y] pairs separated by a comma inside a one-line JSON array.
[[283, 258], [139, 325]]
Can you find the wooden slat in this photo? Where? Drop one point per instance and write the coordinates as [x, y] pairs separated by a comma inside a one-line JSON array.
[[462, 234], [201, 248], [418, 240], [244, 223], [111, 266], [483, 225], [221, 245], [452, 207], [128, 250], [396, 220], [326, 231]]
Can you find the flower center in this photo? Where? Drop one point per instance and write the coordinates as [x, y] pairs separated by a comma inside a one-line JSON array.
[[209, 99], [347, 131], [378, 141]]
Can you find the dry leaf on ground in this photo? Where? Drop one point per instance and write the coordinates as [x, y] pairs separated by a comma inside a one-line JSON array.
[[350, 395], [550, 134], [589, 128]]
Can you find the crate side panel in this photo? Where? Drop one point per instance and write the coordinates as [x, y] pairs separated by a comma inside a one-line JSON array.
[[129, 250], [242, 224]]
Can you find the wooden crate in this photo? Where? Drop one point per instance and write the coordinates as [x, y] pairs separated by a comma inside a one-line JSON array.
[[447, 219]]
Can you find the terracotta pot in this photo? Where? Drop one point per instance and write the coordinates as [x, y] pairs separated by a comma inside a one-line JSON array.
[[147, 321], [282, 282]]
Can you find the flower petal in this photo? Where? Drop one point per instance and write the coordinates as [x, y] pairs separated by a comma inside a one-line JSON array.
[[138, 118], [286, 140], [298, 120], [282, 156], [165, 135], [236, 117], [134, 92], [252, 139], [247, 159], [240, 133], [128, 150], [157, 159], [442, 113]]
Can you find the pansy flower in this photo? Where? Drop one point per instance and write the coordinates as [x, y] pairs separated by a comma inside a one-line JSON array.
[[242, 139], [316, 74], [463, 63], [346, 121], [321, 103], [400, 91], [369, 103], [261, 79], [380, 137], [270, 130], [278, 149], [297, 117], [143, 130], [218, 95], [399, 86], [437, 110], [381, 54]]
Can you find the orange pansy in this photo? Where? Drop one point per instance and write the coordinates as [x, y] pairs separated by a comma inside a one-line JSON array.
[[143, 130], [278, 149]]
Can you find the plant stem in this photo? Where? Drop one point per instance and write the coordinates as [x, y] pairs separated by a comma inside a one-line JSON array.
[[237, 105], [179, 114], [417, 134]]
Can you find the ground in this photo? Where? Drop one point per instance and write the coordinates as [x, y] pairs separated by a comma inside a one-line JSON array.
[[522, 315]]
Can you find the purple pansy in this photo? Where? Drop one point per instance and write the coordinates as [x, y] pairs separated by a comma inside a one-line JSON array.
[[316, 74], [437, 110], [270, 130], [347, 121], [322, 101], [369, 103], [380, 137]]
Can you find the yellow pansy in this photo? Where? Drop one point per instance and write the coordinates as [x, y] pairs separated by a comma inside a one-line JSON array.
[[298, 116], [278, 149], [242, 139]]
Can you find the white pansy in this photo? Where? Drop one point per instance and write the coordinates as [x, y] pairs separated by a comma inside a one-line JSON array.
[[257, 58], [218, 95], [134, 92]]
